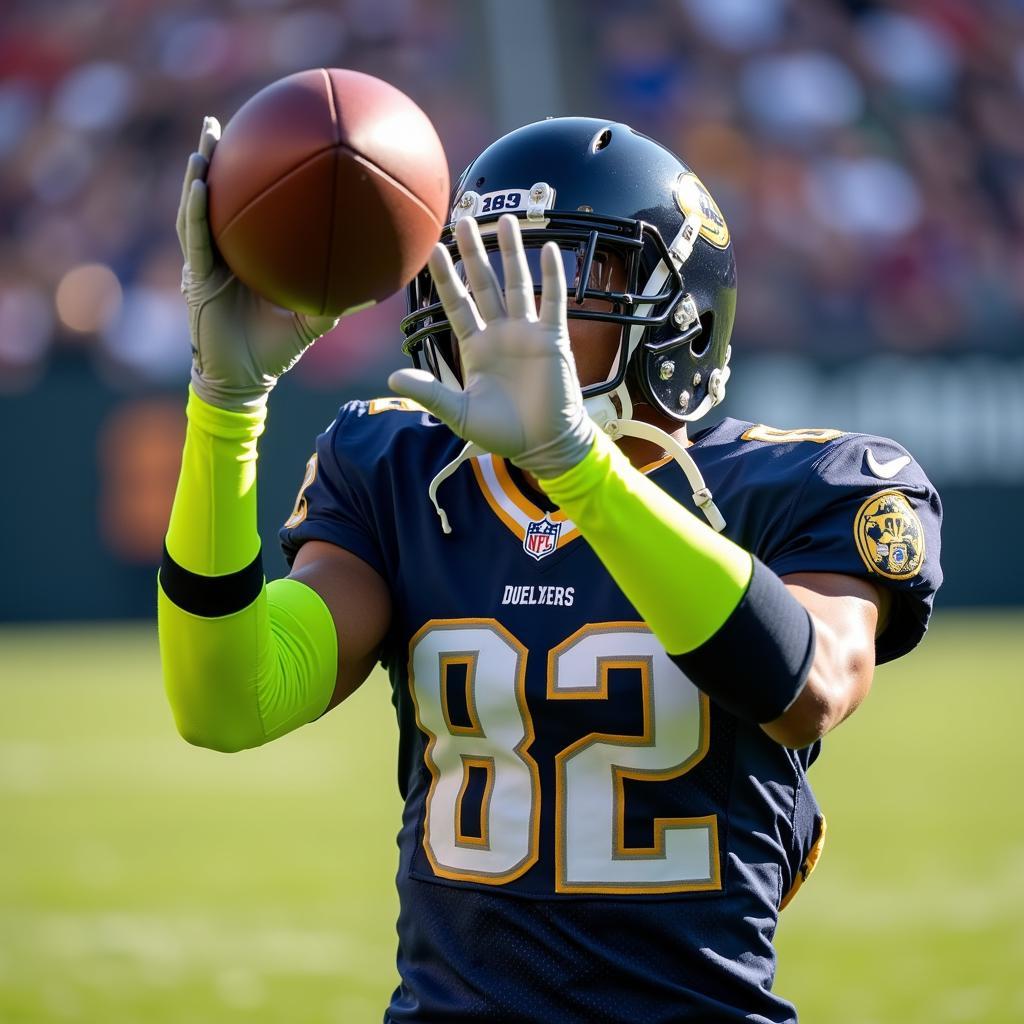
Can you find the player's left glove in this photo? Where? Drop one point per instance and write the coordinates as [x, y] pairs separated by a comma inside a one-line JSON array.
[[241, 343], [521, 397]]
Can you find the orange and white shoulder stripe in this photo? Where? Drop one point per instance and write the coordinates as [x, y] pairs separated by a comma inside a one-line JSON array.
[[514, 508], [509, 503]]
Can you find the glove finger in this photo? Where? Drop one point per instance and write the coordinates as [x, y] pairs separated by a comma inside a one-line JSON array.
[[518, 280], [209, 136], [483, 282], [553, 294], [199, 247], [444, 402], [195, 170], [458, 306]]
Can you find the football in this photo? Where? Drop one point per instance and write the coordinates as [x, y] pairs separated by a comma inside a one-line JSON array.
[[328, 189]]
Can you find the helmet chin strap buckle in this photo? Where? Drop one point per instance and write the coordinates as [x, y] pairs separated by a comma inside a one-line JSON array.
[[685, 312], [606, 412], [682, 246], [467, 206], [541, 199]]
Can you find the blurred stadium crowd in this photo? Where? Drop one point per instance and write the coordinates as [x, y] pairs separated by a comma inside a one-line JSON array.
[[100, 104], [867, 154]]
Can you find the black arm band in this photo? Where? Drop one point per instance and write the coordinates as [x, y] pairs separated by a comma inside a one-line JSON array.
[[211, 596], [757, 663]]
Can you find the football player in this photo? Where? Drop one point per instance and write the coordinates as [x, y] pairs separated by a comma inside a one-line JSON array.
[[614, 647]]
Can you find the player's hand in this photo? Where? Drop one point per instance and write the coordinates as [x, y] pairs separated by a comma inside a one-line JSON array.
[[241, 343], [521, 397]]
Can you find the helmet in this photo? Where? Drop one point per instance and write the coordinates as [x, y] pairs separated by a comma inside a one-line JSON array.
[[601, 189]]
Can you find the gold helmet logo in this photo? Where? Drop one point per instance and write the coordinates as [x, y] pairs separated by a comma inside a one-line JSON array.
[[693, 197], [889, 536]]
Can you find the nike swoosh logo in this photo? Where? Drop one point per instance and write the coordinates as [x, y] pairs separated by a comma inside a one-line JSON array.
[[885, 470]]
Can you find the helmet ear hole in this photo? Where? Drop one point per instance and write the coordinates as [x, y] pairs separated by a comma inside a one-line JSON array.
[[701, 343]]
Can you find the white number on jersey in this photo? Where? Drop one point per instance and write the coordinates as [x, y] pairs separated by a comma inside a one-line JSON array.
[[591, 854]]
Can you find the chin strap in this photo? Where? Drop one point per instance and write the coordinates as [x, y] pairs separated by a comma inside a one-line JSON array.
[[469, 451], [648, 432], [613, 413], [604, 413]]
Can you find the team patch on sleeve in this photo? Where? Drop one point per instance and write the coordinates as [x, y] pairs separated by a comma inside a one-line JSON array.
[[776, 435], [889, 536]]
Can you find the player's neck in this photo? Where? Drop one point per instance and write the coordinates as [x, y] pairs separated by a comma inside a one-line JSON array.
[[640, 452]]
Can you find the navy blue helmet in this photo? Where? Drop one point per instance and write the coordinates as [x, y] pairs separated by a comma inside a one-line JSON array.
[[610, 197]]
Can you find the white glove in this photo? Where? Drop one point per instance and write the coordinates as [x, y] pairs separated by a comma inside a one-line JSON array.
[[241, 343], [521, 397]]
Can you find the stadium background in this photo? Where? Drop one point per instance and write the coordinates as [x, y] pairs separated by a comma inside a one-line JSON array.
[[869, 158]]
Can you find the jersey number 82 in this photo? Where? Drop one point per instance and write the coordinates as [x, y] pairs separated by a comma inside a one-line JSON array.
[[591, 855]]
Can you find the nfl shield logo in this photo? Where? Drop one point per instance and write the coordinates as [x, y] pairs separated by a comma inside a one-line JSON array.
[[541, 538]]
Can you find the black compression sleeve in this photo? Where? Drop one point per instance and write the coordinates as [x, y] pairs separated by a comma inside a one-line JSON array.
[[757, 663]]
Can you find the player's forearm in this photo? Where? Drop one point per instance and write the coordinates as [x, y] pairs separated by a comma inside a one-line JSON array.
[[686, 577], [242, 662], [212, 529], [845, 612], [719, 612]]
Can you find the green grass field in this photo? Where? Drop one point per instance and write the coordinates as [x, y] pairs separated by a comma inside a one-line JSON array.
[[145, 880]]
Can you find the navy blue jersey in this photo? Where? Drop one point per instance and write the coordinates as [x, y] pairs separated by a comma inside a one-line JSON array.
[[586, 836]]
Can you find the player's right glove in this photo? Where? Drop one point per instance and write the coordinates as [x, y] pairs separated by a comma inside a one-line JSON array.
[[521, 398], [241, 343]]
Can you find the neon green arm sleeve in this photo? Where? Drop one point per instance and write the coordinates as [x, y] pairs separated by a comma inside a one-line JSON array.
[[240, 668], [681, 576]]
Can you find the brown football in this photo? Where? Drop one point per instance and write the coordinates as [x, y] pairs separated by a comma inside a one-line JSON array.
[[328, 189]]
